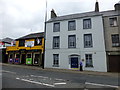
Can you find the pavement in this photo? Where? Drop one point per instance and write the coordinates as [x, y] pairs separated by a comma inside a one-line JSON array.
[[65, 70]]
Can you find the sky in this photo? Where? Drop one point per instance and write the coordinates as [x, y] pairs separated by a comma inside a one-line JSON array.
[[22, 17]]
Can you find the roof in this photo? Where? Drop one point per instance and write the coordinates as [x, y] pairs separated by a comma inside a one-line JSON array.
[[82, 15], [74, 16], [32, 35], [7, 40]]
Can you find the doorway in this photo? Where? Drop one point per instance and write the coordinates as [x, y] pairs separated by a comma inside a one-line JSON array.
[[74, 62], [23, 58], [36, 59], [114, 63]]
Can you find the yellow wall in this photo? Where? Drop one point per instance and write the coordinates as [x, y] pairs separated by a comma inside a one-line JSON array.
[[16, 48]]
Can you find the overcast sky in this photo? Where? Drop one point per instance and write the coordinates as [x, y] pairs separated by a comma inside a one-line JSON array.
[[21, 17]]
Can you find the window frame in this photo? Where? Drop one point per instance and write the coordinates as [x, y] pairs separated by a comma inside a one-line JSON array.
[[90, 41], [112, 21], [69, 27], [87, 26], [55, 61], [54, 29], [23, 44], [35, 44], [89, 60], [58, 42], [115, 41], [72, 42]]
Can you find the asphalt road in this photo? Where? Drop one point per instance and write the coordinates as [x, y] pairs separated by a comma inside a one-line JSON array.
[[16, 77]]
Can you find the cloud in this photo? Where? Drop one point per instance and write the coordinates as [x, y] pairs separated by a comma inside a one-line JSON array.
[[21, 17]]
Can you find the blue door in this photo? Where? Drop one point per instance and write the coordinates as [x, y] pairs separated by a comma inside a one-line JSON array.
[[74, 62]]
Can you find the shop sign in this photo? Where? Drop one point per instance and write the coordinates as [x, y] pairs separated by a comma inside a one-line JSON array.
[[29, 43]]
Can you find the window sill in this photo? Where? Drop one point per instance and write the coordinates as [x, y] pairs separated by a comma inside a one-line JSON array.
[[55, 65], [56, 48], [89, 67]]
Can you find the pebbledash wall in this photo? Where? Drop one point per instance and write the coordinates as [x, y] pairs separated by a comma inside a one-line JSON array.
[[65, 53]]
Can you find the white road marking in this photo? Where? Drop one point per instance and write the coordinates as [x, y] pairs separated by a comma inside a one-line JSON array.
[[59, 79], [101, 85], [8, 72], [36, 82], [18, 78], [38, 76], [59, 83]]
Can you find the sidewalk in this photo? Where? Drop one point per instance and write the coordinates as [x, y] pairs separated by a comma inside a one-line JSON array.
[[64, 70]]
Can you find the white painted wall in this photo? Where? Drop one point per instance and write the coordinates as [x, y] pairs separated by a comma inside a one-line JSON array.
[[98, 50]]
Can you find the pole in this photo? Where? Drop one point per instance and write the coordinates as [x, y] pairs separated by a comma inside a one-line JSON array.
[[44, 35]]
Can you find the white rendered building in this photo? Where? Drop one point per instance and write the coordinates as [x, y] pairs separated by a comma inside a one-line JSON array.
[[74, 38]]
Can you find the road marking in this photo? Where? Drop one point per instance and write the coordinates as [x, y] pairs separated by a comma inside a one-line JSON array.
[[18, 78], [59, 79], [35, 82], [38, 76], [8, 72], [59, 83], [102, 85]]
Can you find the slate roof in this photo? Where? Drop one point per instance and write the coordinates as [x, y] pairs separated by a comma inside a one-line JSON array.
[[32, 35], [7, 40], [82, 15]]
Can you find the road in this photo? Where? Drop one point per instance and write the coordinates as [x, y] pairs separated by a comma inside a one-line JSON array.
[[16, 77]]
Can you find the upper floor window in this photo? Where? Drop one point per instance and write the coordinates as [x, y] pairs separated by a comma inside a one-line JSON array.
[[21, 42], [71, 25], [56, 42], [89, 62], [88, 40], [115, 40], [55, 60], [87, 24], [38, 41], [56, 27], [113, 21], [72, 41]]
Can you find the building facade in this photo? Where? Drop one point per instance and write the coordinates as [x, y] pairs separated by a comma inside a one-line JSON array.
[[74, 38], [28, 50], [5, 42], [89, 37], [111, 20]]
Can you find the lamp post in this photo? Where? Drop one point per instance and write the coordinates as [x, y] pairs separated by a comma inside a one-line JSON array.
[[43, 60]]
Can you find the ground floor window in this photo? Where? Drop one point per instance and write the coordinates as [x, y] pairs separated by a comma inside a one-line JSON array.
[[55, 60], [89, 62]]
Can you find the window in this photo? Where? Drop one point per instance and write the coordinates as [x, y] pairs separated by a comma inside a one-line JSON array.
[[88, 40], [87, 24], [17, 55], [72, 41], [71, 25], [29, 56], [89, 62], [113, 21], [56, 27], [56, 42], [38, 41], [55, 60], [115, 40], [21, 42]]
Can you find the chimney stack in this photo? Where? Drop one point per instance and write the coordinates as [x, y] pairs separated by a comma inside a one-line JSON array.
[[96, 6], [117, 6], [53, 14]]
